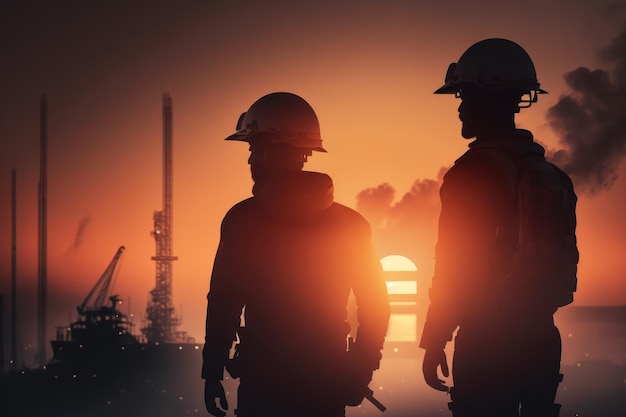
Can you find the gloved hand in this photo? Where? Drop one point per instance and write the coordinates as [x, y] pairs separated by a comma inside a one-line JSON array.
[[433, 359], [214, 390]]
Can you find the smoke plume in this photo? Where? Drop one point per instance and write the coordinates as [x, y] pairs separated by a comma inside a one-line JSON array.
[[375, 203], [407, 227], [80, 232], [591, 121]]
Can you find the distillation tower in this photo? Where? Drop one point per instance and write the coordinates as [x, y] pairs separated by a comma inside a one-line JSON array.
[[162, 320]]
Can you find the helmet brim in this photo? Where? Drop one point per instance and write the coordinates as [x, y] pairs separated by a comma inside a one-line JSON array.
[[453, 88], [246, 138], [446, 89], [238, 137]]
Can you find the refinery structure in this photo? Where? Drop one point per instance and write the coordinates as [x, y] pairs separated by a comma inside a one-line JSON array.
[[99, 364], [161, 323]]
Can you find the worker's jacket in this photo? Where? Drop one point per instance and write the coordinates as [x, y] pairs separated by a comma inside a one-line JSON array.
[[477, 240], [289, 257]]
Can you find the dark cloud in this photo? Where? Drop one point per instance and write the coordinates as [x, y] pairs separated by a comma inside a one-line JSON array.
[[612, 9], [591, 120]]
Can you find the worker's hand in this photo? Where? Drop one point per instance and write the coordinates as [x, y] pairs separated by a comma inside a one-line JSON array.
[[214, 390], [433, 359]]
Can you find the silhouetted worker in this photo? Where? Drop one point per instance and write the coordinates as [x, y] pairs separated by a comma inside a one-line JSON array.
[[506, 255], [288, 258]]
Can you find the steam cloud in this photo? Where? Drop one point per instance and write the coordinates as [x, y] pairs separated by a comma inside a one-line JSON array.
[[592, 120]]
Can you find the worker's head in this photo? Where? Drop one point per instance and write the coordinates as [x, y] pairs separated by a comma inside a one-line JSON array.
[[274, 160], [494, 79], [487, 112], [282, 130]]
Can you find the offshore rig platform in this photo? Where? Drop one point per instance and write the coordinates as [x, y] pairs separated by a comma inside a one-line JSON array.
[[100, 365]]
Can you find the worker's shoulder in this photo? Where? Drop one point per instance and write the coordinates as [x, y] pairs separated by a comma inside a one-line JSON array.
[[347, 215], [485, 158], [241, 210], [242, 206], [483, 164], [343, 210]]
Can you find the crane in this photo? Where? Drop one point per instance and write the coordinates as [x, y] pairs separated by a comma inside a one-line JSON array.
[[99, 324], [102, 287]]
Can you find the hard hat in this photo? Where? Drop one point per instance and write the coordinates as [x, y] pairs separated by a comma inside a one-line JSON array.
[[282, 118], [494, 62]]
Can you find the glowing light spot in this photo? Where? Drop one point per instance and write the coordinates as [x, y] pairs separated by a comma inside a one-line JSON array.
[[180, 348], [401, 287], [180, 398], [395, 350], [196, 347], [397, 263]]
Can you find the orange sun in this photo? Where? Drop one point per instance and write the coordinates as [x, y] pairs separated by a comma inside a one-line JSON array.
[[397, 263]]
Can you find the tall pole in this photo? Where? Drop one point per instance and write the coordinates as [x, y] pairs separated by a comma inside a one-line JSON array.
[[42, 281], [1, 334], [13, 359]]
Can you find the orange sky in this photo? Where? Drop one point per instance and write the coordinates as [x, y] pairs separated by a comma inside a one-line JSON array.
[[368, 68]]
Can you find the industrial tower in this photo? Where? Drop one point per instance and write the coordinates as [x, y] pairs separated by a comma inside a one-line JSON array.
[[161, 317], [42, 240]]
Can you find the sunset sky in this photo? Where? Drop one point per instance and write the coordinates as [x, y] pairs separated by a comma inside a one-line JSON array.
[[368, 68]]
